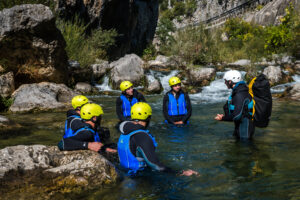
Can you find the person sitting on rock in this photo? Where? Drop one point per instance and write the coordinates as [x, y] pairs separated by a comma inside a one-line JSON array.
[[136, 146], [177, 108], [85, 135], [73, 115], [126, 100]]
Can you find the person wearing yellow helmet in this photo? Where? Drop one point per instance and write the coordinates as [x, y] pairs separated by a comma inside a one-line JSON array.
[[85, 135], [128, 98], [136, 146], [177, 108], [73, 115]]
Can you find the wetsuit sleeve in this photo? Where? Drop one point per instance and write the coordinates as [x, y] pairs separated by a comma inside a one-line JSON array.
[[188, 107], [165, 109], [145, 148], [78, 142], [238, 102], [141, 98], [119, 109]]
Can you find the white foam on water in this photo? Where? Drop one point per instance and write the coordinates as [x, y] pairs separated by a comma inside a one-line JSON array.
[[104, 86], [281, 88], [163, 78]]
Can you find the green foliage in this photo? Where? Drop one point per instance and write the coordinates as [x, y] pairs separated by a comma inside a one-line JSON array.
[[11, 3], [5, 103], [165, 28], [179, 8], [85, 49], [192, 44], [278, 38], [149, 53]]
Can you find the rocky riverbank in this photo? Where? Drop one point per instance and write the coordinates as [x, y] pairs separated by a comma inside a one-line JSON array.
[[43, 172]]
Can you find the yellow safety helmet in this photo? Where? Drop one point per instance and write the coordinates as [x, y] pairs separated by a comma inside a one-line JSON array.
[[141, 111], [174, 80], [79, 101], [90, 110], [125, 85]]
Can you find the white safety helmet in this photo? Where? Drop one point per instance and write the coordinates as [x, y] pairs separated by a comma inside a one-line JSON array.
[[233, 75]]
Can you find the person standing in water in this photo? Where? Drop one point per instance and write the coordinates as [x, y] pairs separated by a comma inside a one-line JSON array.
[[177, 108], [136, 146], [73, 115], [126, 100], [236, 108]]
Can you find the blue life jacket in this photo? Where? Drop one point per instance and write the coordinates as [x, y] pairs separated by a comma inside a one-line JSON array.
[[231, 106], [127, 159], [68, 131], [176, 106], [126, 105], [96, 135]]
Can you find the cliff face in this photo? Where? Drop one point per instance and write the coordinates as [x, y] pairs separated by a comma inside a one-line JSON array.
[[134, 20]]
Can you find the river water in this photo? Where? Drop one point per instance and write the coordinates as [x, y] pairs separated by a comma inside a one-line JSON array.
[[266, 168]]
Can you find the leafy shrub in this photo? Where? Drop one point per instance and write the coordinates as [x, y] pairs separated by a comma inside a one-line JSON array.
[[5, 103], [85, 49], [165, 28]]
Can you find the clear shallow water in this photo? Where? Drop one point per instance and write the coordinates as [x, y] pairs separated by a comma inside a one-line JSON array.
[[266, 168]]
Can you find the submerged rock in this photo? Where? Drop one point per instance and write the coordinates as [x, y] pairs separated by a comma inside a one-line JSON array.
[[43, 171], [127, 68], [31, 45], [41, 97], [293, 92]]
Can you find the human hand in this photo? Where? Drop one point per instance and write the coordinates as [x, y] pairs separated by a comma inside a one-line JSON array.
[[179, 122], [189, 172], [109, 150], [95, 146], [219, 117]]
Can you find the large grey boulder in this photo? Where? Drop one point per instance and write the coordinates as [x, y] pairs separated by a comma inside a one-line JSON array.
[[41, 97], [135, 21], [153, 86], [7, 84], [242, 62], [274, 74], [201, 76], [48, 171], [163, 63], [83, 87], [31, 45], [99, 70], [127, 68]]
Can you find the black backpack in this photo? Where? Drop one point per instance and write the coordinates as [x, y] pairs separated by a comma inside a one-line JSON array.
[[259, 89]]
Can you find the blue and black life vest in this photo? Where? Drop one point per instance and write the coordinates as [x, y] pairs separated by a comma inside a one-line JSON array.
[[96, 135], [126, 105], [231, 106], [68, 131], [127, 159], [176, 106]]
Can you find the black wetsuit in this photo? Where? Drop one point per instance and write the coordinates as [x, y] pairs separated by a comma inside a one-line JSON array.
[[176, 118], [142, 143], [71, 119], [81, 139], [119, 110], [244, 127]]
